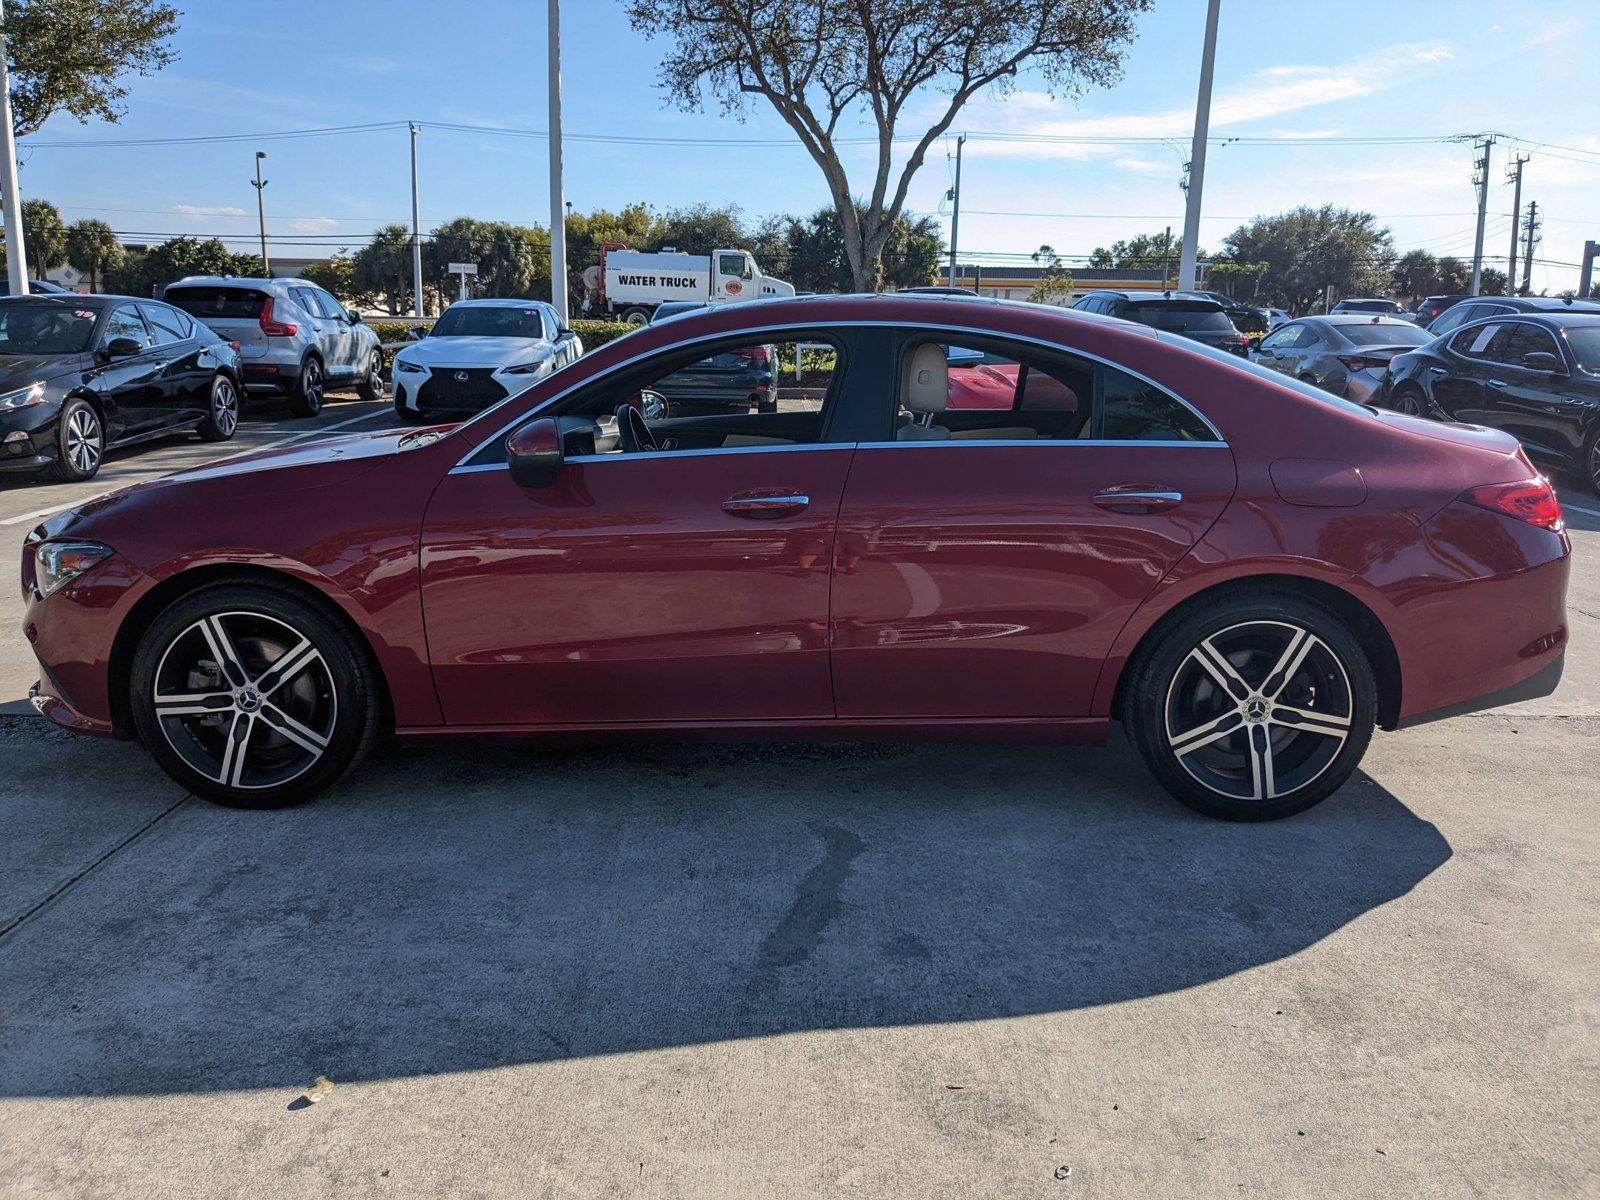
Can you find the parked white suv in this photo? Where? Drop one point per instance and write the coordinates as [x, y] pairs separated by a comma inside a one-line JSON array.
[[295, 339]]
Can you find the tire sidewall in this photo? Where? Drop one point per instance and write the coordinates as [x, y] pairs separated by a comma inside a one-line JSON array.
[[371, 386], [354, 725], [210, 430], [306, 402], [65, 469], [1144, 705]]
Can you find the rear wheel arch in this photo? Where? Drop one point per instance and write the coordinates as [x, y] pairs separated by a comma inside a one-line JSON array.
[[172, 589], [1362, 622]]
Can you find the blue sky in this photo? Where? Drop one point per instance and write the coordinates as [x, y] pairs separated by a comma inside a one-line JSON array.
[[1284, 68]]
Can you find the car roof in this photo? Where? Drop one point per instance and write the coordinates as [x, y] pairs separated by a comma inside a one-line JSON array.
[[1542, 303], [243, 281], [1362, 319], [496, 302], [72, 298]]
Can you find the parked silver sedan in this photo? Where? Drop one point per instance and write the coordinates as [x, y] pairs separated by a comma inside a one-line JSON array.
[[1344, 353]]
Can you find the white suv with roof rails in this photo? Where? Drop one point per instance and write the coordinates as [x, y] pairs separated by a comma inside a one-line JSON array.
[[294, 339]]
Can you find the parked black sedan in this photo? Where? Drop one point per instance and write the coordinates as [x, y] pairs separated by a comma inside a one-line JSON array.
[[80, 375], [1534, 375], [1344, 353]]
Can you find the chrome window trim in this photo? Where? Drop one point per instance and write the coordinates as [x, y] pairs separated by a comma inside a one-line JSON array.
[[789, 326], [1100, 443]]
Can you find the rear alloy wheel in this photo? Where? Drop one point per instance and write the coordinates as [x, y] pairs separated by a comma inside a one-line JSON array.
[[1409, 402], [1254, 711], [306, 399], [222, 415], [1591, 460], [371, 386], [80, 442], [251, 697]]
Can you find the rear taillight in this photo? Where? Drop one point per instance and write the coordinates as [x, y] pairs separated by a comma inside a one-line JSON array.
[[1531, 500], [759, 357], [1361, 362], [275, 328]]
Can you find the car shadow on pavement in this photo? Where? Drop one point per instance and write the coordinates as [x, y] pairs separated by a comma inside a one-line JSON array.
[[476, 908]]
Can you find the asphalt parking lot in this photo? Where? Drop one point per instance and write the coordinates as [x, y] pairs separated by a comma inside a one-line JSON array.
[[799, 970]]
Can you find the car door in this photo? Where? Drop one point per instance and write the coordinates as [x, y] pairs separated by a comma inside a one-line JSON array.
[[986, 560], [134, 393], [333, 331], [186, 367], [1460, 384], [688, 583], [1277, 349], [1543, 408]]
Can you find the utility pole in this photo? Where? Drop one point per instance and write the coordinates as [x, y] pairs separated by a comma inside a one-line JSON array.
[[1591, 250], [558, 224], [1166, 258], [1197, 154], [1528, 244], [1515, 175], [1481, 179], [955, 215], [260, 185], [16, 253], [416, 231]]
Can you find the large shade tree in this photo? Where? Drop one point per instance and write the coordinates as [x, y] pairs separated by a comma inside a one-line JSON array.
[[1308, 250], [73, 55], [908, 69]]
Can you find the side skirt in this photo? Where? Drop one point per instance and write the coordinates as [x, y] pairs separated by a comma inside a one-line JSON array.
[[1071, 731]]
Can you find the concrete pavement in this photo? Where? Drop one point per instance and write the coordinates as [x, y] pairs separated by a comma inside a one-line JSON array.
[[800, 971]]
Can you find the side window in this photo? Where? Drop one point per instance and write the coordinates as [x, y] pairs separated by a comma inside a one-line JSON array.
[[730, 264], [307, 301], [124, 322], [998, 391], [1524, 340], [1452, 318], [1286, 338], [1477, 340], [167, 324], [328, 305]]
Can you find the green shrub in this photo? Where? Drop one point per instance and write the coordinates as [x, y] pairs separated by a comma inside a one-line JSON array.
[[597, 333]]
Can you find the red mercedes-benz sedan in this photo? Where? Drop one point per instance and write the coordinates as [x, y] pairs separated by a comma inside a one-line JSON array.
[[1249, 573]]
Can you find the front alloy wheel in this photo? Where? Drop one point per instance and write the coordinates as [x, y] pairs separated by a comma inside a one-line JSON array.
[[80, 442], [1255, 713], [252, 697]]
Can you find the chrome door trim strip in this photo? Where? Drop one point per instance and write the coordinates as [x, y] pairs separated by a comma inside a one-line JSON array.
[[976, 331]]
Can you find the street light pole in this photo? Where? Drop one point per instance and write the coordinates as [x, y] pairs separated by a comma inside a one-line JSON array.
[[16, 253], [261, 213], [1197, 154], [558, 224], [416, 232], [955, 213]]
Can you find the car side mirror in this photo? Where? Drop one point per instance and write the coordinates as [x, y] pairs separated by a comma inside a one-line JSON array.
[[563, 333], [534, 453], [354, 317], [122, 347], [1543, 360], [652, 405], [416, 333]]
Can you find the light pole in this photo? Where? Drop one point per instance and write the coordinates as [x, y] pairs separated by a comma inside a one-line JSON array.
[[16, 253], [260, 185], [1197, 154], [955, 211], [558, 224], [416, 232]]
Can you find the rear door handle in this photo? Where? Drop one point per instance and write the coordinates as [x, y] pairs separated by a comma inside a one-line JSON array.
[[1437, 371], [1137, 500], [1497, 383], [765, 504]]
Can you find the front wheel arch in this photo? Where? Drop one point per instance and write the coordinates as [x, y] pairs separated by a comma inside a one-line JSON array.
[[1369, 631], [172, 589]]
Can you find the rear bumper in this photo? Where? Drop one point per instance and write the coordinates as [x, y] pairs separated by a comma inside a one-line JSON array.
[[265, 379], [1542, 682]]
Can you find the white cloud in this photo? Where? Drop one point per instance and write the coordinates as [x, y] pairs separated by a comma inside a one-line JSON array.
[[208, 210], [1554, 33], [313, 225]]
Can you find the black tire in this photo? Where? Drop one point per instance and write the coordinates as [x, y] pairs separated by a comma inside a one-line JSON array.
[[1244, 753], [407, 416], [1591, 459], [309, 389], [222, 412], [1410, 402], [371, 386], [238, 735], [80, 442], [637, 315]]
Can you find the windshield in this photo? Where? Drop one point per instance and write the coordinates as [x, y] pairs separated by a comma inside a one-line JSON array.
[[1271, 376], [1385, 335], [1373, 306], [1585, 343], [45, 328], [1182, 318], [460, 321]]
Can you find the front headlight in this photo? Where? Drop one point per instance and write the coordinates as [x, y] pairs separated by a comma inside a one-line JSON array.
[[530, 368], [405, 368], [56, 564], [23, 397]]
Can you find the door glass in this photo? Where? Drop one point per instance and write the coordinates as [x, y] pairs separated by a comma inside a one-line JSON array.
[[307, 300], [730, 264], [329, 307], [124, 322], [165, 323], [1524, 340], [1476, 341]]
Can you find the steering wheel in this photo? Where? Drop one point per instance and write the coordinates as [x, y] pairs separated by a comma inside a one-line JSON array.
[[633, 433]]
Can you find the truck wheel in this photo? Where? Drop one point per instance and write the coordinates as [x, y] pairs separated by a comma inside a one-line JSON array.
[[636, 316]]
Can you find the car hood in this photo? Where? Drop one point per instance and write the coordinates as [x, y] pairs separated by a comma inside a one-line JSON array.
[[474, 351], [19, 370]]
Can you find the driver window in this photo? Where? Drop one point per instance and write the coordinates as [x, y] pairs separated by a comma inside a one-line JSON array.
[[740, 395], [124, 322]]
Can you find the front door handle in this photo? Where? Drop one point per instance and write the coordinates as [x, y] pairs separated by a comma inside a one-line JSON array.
[[1138, 500], [765, 504], [1497, 383]]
